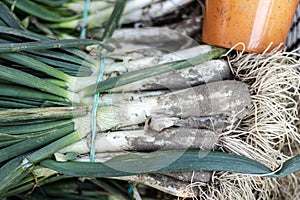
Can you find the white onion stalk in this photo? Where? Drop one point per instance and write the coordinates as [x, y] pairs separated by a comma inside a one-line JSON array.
[[214, 70], [113, 98], [144, 62], [161, 38], [156, 10], [141, 140]]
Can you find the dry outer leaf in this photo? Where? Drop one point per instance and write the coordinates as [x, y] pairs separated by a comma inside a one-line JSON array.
[[166, 184]]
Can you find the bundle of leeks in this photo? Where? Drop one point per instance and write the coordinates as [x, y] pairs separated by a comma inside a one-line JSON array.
[[157, 113], [46, 86]]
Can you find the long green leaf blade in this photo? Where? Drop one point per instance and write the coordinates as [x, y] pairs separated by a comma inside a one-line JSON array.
[[34, 64], [35, 114], [22, 78], [39, 11], [36, 37], [64, 57], [27, 93], [290, 166], [11, 173], [73, 68], [114, 19], [9, 18], [33, 143], [42, 45], [10, 104], [154, 162], [25, 34], [32, 128]]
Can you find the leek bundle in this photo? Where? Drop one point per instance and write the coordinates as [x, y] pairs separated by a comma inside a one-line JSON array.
[[160, 132], [46, 87]]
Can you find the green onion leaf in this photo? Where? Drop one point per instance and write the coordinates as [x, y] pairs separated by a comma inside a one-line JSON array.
[[22, 78], [133, 164], [42, 45], [39, 11]]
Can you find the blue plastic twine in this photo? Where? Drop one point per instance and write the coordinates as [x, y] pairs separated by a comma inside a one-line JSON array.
[[100, 77], [94, 111], [130, 189], [84, 19]]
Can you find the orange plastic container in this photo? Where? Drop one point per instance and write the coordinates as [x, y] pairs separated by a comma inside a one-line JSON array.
[[256, 23]]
